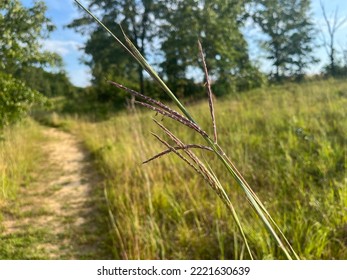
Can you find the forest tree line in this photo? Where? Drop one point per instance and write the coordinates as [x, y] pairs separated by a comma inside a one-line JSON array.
[[165, 32], [169, 30]]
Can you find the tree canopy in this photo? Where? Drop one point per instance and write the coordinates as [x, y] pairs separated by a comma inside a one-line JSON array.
[[175, 26], [218, 25], [290, 34], [22, 31], [108, 60]]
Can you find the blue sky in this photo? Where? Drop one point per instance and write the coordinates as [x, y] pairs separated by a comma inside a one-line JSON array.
[[67, 43]]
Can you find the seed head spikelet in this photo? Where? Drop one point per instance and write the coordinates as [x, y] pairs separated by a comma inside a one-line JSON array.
[[161, 105], [209, 92], [181, 119]]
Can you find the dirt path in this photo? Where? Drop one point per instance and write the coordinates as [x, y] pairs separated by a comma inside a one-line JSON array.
[[59, 215]]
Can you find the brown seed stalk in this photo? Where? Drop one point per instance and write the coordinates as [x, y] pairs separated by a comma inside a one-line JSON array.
[[180, 119], [209, 93], [149, 100]]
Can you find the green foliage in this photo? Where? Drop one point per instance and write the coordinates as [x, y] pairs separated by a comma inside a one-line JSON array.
[[107, 59], [177, 25], [16, 99], [21, 30], [290, 34], [217, 24], [49, 84], [338, 71]]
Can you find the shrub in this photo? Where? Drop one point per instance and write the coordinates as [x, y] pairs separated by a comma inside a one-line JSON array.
[[16, 99]]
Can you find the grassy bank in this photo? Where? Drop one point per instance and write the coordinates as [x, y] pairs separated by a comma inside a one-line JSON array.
[[288, 141], [20, 155]]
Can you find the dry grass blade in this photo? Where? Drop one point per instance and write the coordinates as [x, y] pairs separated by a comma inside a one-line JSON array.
[[209, 93], [173, 149], [114, 226], [189, 146]]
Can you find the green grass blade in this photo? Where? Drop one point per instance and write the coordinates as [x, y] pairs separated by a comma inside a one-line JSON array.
[[143, 62], [103, 26], [133, 51], [228, 203], [251, 199]]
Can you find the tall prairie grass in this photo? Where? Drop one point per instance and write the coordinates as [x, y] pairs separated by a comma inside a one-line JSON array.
[[19, 151], [184, 149], [289, 142]]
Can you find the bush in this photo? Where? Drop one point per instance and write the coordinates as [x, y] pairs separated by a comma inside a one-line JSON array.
[[16, 99]]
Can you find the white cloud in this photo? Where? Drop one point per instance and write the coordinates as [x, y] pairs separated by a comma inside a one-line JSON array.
[[70, 51], [61, 47], [80, 77]]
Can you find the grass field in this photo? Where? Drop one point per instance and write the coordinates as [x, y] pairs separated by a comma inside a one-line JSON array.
[[288, 141]]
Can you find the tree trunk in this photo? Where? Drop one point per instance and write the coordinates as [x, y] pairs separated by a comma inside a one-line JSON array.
[[332, 57]]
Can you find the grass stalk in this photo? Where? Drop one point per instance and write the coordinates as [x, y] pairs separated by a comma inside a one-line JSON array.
[[209, 92], [189, 121]]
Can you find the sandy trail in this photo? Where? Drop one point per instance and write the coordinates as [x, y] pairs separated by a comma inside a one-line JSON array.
[[63, 203]]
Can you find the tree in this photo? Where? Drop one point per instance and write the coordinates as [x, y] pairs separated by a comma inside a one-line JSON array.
[[21, 31], [16, 99], [217, 24], [290, 34], [332, 27], [176, 25], [301, 37], [107, 58]]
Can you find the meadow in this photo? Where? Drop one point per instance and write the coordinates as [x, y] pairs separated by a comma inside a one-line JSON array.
[[288, 141], [110, 180]]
